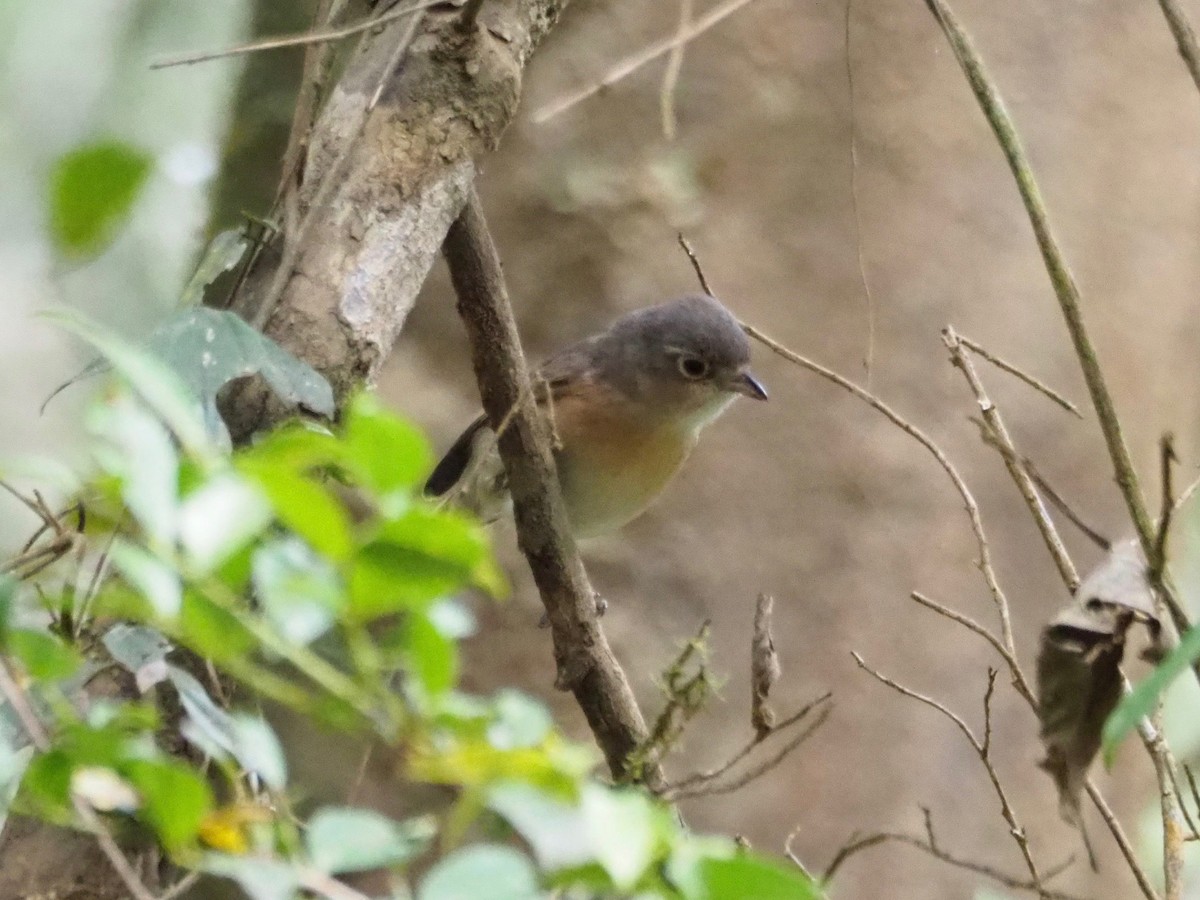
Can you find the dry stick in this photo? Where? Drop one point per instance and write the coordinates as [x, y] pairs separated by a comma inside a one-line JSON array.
[[328, 184], [1005, 644], [985, 556], [586, 665], [666, 97], [982, 750], [1185, 37], [690, 782], [1020, 374], [761, 769], [317, 60], [869, 357], [1169, 805], [297, 40], [1156, 748], [41, 740], [635, 61], [858, 843], [1012, 460], [1065, 289]]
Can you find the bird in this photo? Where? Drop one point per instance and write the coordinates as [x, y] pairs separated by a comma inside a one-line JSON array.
[[626, 406]]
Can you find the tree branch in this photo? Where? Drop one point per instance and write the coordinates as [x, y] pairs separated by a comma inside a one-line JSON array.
[[586, 665]]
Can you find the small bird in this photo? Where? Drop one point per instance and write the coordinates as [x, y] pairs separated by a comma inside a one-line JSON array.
[[626, 405]]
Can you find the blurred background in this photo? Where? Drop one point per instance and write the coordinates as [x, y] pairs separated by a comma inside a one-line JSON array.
[[816, 148]]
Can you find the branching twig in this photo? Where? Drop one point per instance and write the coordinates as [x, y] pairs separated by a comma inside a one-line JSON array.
[[1065, 289], [1012, 460], [1020, 374], [635, 61], [586, 665], [982, 748], [296, 40], [693, 784]]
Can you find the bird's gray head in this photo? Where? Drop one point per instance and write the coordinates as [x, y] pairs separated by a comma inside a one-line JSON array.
[[688, 358]]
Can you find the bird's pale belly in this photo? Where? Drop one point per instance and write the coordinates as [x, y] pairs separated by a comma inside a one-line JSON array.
[[622, 477]]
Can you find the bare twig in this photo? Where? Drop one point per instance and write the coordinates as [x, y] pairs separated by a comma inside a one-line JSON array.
[[692, 783], [869, 356], [981, 747], [1185, 37], [764, 667], [1065, 289], [666, 97], [1123, 842], [857, 843], [1020, 374], [586, 664], [1167, 459], [709, 789], [635, 61], [296, 40], [1012, 460]]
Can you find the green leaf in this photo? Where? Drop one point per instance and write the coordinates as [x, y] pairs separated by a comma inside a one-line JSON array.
[[305, 507], [1140, 702], [43, 656], [451, 538], [12, 767], [220, 518], [246, 738], [221, 255], [482, 870], [141, 650], [342, 839], [300, 592], [432, 658], [623, 828], [92, 190], [551, 826], [145, 373], [208, 348], [153, 579], [213, 631], [520, 721], [387, 454], [743, 875], [261, 879], [175, 798], [136, 449]]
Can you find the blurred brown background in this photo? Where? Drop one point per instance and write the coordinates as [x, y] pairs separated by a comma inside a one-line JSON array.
[[814, 497]]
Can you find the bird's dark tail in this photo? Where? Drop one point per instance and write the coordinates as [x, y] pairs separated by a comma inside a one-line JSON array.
[[450, 469]]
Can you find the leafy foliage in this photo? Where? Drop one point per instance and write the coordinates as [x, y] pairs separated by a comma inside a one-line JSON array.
[[92, 191], [254, 561]]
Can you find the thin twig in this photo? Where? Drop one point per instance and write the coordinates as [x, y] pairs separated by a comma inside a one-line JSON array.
[[869, 356], [1167, 459], [1012, 460], [1185, 37], [1020, 374], [691, 781], [1065, 289], [296, 40], [709, 789], [981, 747], [1123, 842], [635, 61], [666, 96], [181, 887], [985, 556], [858, 843]]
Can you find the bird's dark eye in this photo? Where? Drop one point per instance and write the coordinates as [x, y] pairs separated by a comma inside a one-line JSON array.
[[692, 367]]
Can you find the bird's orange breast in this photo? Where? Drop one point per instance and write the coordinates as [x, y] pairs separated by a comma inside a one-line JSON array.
[[612, 464]]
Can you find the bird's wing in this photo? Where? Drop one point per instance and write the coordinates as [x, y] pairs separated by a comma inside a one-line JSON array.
[[557, 377]]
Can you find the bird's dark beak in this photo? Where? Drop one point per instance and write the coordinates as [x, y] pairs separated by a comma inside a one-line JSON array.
[[745, 383]]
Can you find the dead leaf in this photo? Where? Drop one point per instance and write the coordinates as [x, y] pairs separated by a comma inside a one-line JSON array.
[[1078, 667]]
